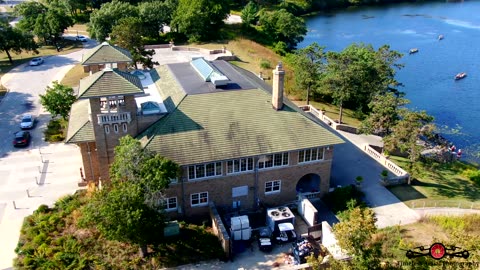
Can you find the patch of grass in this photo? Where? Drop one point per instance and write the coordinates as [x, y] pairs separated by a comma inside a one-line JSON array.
[[439, 185], [333, 112], [81, 29], [56, 130], [74, 75]]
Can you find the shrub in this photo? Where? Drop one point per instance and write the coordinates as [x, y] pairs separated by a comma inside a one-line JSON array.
[[42, 209], [338, 199], [55, 131], [473, 175], [265, 64]]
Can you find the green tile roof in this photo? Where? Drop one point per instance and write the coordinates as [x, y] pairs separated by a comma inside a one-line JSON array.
[[106, 53], [233, 124], [109, 82], [80, 128], [170, 90]]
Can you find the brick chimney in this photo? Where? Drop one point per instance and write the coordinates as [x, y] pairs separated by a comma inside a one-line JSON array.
[[277, 90]]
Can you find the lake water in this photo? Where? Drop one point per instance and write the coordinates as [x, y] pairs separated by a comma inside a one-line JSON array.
[[428, 75]]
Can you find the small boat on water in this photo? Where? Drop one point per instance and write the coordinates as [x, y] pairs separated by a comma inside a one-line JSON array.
[[414, 50], [440, 37], [460, 76]]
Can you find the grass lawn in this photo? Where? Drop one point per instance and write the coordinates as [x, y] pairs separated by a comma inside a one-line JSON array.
[[439, 185], [72, 78]]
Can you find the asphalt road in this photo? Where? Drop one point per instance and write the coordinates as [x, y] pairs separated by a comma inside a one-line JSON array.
[[25, 83]]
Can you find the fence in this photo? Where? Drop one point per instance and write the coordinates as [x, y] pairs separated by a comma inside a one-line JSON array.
[[443, 204], [401, 174]]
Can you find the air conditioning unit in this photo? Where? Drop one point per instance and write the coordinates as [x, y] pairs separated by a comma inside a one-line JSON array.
[[279, 215]]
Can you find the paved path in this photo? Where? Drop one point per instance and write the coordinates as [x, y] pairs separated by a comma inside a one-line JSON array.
[[349, 162]]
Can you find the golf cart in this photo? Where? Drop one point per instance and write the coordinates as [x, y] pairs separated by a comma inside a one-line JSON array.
[[286, 233]]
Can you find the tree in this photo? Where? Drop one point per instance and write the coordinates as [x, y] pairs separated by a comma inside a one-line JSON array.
[[249, 13], [58, 99], [282, 25], [308, 66], [355, 235], [14, 40], [356, 74], [200, 19], [384, 114], [406, 133], [28, 11], [47, 22], [128, 34], [154, 15], [103, 20], [129, 209]]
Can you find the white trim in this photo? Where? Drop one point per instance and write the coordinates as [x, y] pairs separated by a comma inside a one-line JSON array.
[[215, 172], [311, 158], [124, 127], [115, 128], [199, 194], [273, 186], [171, 209], [107, 129]]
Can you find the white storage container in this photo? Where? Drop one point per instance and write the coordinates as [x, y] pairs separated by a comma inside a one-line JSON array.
[[237, 235], [235, 223], [246, 233], [245, 222]]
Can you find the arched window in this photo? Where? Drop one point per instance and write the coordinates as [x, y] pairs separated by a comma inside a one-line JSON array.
[[107, 129], [124, 127], [115, 128]]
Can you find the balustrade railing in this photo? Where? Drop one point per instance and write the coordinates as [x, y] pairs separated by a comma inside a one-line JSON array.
[[110, 118]]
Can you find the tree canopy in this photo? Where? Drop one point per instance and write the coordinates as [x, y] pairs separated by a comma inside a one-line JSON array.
[[406, 133], [128, 33], [309, 65], [249, 13], [384, 114], [200, 19], [129, 208], [283, 26], [14, 40], [356, 74], [103, 19], [355, 236], [46, 22], [58, 99]]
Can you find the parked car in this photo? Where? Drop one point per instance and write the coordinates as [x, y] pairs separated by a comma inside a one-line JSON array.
[[81, 38], [36, 61], [22, 138], [27, 121]]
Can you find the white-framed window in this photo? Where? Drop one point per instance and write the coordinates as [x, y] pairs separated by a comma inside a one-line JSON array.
[[239, 165], [115, 128], [171, 204], [274, 160], [124, 127], [199, 199], [311, 154], [107, 129], [204, 170], [273, 186]]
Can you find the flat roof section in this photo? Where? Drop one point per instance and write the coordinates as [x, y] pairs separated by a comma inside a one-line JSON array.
[[151, 93], [192, 83]]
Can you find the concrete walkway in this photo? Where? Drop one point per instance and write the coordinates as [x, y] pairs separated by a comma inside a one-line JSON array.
[[349, 161]]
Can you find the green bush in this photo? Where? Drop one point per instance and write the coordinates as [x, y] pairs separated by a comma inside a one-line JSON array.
[[473, 175], [56, 130], [338, 200], [265, 64]]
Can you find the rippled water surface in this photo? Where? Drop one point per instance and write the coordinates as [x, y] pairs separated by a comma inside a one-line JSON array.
[[428, 75]]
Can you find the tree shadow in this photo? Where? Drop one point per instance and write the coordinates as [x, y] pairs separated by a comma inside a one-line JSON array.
[[406, 192]]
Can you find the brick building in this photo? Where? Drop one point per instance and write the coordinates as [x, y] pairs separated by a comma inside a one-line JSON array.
[[238, 141]]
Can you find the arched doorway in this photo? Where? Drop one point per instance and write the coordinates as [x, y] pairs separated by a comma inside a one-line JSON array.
[[308, 183]]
